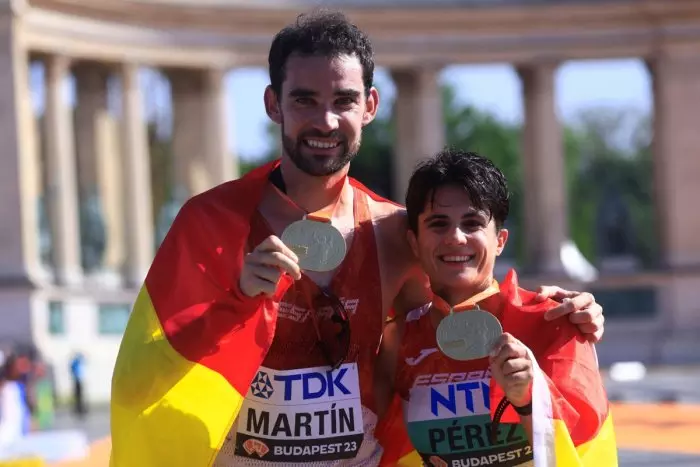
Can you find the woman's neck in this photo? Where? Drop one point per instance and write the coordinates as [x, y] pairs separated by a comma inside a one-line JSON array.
[[454, 296]]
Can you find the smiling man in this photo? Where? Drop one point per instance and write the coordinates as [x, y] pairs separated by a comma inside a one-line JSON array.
[[253, 342]]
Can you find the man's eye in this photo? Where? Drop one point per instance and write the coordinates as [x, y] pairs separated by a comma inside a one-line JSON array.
[[345, 101], [304, 101]]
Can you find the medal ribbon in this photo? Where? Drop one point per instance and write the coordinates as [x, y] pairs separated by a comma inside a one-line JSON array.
[[322, 215], [440, 304]]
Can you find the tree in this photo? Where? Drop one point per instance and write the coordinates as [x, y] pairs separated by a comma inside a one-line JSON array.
[[613, 166]]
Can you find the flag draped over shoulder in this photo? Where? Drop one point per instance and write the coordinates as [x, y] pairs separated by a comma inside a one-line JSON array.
[[193, 342], [572, 423]]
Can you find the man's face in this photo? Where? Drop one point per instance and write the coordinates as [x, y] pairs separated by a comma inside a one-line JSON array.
[[322, 109], [457, 244]]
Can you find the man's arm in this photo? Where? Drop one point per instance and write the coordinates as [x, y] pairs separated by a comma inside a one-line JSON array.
[[385, 370], [583, 310]]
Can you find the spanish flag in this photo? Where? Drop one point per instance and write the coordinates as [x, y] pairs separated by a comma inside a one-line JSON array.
[[572, 423], [193, 342]]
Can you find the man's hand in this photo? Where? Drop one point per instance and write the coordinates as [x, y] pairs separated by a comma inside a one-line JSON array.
[[581, 307], [511, 367], [264, 266]]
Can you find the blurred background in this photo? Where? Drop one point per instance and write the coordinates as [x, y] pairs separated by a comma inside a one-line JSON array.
[[114, 112]]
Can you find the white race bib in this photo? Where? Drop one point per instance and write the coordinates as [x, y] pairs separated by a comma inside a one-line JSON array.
[[304, 415], [449, 424]]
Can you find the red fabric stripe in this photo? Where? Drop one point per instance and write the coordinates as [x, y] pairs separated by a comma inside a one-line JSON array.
[[193, 283], [566, 358]]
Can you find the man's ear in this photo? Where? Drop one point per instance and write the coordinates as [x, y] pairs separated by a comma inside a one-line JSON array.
[[371, 106], [272, 105]]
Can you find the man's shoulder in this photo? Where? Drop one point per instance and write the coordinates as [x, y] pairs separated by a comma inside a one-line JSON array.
[[379, 205], [235, 197]]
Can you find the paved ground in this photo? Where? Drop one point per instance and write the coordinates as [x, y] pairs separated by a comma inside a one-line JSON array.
[[657, 421], [659, 385]]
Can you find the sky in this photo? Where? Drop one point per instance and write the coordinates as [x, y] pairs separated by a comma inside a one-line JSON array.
[[494, 88]]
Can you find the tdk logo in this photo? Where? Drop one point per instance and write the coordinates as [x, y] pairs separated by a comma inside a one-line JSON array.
[[261, 386], [313, 385]]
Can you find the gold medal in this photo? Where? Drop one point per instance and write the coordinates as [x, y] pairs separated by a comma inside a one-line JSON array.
[[468, 335], [467, 332], [319, 246]]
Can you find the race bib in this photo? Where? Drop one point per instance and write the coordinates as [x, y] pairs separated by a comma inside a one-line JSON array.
[[450, 424], [311, 414]]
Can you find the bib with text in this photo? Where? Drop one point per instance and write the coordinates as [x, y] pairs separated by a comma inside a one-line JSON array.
[[303, 415], [448, 420]]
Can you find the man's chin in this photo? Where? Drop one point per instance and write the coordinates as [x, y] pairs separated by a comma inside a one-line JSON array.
[[322, 166]]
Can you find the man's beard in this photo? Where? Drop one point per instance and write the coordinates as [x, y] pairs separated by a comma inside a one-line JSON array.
[[318, 165]]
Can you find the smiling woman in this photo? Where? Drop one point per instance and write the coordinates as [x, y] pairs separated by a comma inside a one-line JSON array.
[[539, 397]]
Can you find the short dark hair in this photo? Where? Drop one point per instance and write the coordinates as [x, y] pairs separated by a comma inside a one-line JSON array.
[[325, 34], [484, 183]]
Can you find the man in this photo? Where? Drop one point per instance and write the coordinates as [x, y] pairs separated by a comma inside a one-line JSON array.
[[478, 369], [276, 339]]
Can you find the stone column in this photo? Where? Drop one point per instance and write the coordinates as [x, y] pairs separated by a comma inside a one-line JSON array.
[[221, 163], [99, 175], [676, 84], [139, 223], [20, 177], [62, 192], [546, 224], [190, 172], [200, 143], [420, 130]]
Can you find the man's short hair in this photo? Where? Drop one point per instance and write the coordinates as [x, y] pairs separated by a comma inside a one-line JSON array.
[[483, 182], [323, 34]]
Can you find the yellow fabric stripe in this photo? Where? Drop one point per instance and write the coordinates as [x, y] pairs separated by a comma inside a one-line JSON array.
[[166, 410], [410, 460], [601, 451]]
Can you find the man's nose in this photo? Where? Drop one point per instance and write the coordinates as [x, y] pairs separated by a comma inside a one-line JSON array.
[[326, 121]]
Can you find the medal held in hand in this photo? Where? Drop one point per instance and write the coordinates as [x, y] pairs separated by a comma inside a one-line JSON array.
[[468, 335], [319, 246]]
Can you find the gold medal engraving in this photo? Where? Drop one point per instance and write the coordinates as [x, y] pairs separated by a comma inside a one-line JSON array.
[[319, 246], [468, 335]]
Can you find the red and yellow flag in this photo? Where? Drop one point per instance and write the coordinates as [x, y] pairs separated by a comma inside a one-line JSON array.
[[193, 342], [572, 423]]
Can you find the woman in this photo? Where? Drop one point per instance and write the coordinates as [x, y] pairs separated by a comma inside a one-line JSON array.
[[482, 378]]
